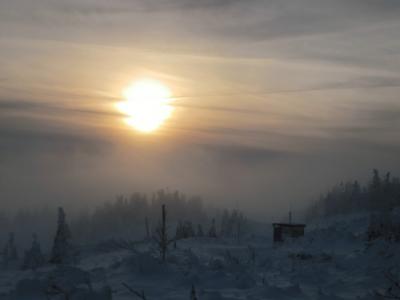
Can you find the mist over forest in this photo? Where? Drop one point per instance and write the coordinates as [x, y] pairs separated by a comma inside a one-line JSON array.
[[199, 149]]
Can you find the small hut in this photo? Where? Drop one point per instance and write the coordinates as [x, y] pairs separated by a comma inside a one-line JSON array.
[[282, 230]]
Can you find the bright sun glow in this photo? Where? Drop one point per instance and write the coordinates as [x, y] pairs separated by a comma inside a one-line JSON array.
[[147, 105]]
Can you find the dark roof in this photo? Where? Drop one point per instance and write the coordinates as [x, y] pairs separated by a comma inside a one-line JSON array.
[[288, 225]]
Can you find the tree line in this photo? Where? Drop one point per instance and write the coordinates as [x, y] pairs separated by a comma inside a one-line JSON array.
[[380, 193], [136, 218]]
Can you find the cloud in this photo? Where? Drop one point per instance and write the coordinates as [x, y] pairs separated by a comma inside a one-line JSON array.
[[227, 19], [24, 106], [360, 82], [17, 143], [245, 155], [320, 79], [382, 118], [27, 131]]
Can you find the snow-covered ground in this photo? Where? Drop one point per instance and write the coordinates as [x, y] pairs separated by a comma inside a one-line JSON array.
[[332, 261]]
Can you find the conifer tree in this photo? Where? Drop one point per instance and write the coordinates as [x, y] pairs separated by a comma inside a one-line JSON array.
[[34, 257], [61, 252], [161, 235]]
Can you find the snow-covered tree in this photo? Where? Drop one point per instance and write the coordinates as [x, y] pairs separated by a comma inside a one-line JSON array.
[[62, 252], [34, 257]]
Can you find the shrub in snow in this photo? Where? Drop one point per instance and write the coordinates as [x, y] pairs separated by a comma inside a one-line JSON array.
[[300, 256], [216, 264], [74, 284], [325, 257], [232, 263], [230, 259], [64, 283], [34, 257], [190, 259], [385, 226], [144, 263], [68, 277]]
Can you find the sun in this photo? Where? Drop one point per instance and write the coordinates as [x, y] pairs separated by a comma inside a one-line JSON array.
[[147, 105]]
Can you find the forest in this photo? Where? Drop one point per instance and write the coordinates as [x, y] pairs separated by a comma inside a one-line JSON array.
[[379, 193]]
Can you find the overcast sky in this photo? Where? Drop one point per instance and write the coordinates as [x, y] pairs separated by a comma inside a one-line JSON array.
[[275, 100]]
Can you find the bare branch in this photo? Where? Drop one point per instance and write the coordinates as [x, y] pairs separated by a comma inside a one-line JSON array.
[[139, 294]]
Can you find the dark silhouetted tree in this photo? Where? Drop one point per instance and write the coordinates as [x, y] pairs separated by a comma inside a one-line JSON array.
[[375, 190], [161, 235], [61, 252], [34, 257]]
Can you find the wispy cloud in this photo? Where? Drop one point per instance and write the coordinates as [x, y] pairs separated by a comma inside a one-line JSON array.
[[246, 155], [309, 87]]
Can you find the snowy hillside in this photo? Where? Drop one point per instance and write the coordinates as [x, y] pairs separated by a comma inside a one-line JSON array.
[[332, 261]]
